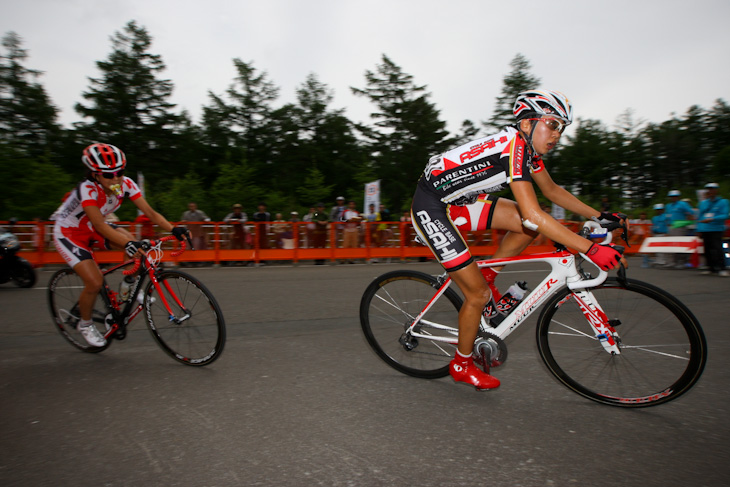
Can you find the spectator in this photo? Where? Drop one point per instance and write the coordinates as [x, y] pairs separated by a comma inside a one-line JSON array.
[[336, 214], [195, 217], [237, 219], [319, 234], [309, 226], [352, 220], [279, 227], [713, 211], [639, 231], [384, 231], [262, 217], [679, 215], [659, 228], [145, 227], [372, 217]]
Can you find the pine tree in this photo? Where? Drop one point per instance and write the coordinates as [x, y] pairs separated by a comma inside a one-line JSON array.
[[129, 107], [407, 130], [28, 119], [517, 81]]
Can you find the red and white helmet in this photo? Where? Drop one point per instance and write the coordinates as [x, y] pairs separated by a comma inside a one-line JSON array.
[[104, 158], [536, 103]]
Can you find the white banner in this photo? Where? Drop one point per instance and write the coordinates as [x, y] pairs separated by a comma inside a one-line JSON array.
[[372, 197]]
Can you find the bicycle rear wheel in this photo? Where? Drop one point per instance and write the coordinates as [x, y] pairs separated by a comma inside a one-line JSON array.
[[196, 333], [388, 308], [663, 349], [64, 289]]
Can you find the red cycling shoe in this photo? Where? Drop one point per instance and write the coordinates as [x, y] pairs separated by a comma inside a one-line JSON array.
[[464, 370]]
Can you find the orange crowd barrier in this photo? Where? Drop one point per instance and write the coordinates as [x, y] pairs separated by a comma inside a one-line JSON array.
[[220, 242]]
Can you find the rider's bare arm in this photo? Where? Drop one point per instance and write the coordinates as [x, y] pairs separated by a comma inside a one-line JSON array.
[[530, 210], [153, 215]]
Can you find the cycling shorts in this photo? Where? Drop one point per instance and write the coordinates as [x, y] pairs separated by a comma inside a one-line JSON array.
[[73, 250], [438, 223]]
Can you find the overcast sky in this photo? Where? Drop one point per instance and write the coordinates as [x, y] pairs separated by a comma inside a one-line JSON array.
[[657, 57]]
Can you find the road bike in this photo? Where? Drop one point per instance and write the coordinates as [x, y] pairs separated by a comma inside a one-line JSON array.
[[616, 341], [182, 315]]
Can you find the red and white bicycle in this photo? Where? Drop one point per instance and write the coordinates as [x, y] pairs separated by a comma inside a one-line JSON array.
[[617, 341]]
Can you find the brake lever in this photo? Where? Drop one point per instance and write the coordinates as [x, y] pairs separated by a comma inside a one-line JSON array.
[[190, 241]]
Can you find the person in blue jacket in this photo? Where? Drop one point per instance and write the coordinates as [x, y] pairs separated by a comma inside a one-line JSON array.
[[659, 228], [712, 213], [680, 215]]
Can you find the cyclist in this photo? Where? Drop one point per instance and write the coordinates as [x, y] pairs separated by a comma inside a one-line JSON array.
[[455, 191], [80, 225]]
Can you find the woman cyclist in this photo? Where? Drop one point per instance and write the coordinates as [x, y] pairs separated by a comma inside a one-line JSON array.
[[80, 225], [454, 191]]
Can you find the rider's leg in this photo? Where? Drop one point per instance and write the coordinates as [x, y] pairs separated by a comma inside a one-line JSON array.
[[93, 281], [90, 273], [476, 294]]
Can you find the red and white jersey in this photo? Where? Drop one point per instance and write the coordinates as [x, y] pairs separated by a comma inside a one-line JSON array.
[[71, 219], [482, 166]]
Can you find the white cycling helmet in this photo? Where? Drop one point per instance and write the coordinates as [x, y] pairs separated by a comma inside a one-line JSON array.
[[536, 103], [659, 206], [104, 158]]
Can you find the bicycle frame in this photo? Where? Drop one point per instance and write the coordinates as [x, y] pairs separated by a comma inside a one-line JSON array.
[[148, 266], [564, 272]]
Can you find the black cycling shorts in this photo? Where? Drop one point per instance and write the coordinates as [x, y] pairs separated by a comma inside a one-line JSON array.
[[436, 224]]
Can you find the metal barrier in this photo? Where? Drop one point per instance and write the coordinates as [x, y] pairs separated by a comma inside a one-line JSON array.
[[219, 242]]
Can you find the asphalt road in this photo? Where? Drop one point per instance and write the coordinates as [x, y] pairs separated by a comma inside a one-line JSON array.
[[299, 399]]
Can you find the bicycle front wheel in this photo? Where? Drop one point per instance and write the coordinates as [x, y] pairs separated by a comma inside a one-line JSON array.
[[662, 347], [64, 289], [390, 305], [193, 332]]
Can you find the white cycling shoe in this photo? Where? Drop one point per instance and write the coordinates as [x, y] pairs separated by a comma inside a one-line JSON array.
[[92, 335]]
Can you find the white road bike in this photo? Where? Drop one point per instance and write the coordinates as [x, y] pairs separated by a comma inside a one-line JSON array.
[[613, 340]]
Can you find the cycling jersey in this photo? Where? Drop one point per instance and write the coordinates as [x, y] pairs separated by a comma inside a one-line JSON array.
[[73, 233], [452, 191]]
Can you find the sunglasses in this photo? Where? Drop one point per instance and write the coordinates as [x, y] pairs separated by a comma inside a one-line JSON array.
[[553, 124], [112, 175]]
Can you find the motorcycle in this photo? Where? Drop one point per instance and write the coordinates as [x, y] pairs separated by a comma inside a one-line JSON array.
[[13, 267]]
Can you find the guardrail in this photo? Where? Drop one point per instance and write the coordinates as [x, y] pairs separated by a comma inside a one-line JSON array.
[[219, 242]]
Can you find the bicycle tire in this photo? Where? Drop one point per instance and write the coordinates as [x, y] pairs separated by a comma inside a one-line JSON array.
[[64, 289], [663, 349], [199, 339], [389, 306]]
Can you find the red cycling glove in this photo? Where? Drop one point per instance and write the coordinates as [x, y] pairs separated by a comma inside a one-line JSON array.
[[604, 256]]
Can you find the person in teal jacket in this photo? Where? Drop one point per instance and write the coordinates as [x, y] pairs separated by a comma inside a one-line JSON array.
[[680, 215], [659, 227], [712, 214]]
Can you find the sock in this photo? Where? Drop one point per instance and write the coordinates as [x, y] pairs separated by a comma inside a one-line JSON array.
[[463, 358], [85, 323]]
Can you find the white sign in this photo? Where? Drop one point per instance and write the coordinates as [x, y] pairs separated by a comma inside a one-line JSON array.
[[372, 197]]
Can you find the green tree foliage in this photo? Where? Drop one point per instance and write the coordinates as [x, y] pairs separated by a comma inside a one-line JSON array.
[[235, 125], [129, 107], [34, 187], [314, 190], [247, 149], [407, 129], [518, 80], [235, 184]]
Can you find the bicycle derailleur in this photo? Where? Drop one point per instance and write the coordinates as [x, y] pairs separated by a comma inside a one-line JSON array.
[[489, 350]]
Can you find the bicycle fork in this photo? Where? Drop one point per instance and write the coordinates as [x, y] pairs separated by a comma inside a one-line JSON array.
[[605, 333], [171, 314]]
